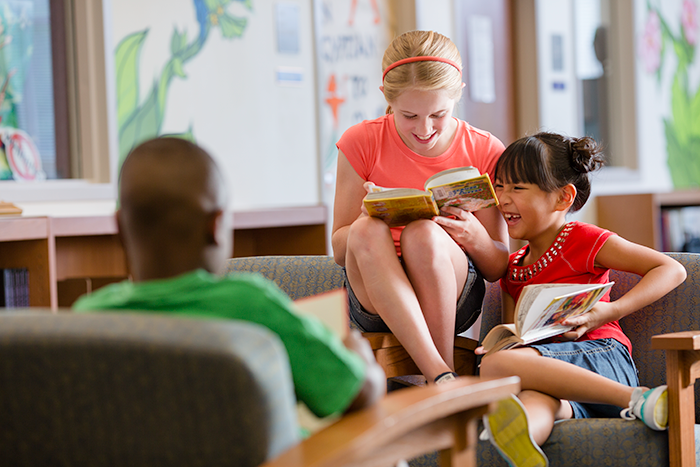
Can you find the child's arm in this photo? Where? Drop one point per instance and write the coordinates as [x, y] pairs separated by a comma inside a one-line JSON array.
[[374, 386], [349, 193], [507, 308], [660, 274], [483, 235]]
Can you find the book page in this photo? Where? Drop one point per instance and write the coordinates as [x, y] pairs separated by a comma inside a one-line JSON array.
[[451, 175], [470, 195], [378, 193], [570, 305], [497, 334], [527, 299], [331, 308], [556, 302]]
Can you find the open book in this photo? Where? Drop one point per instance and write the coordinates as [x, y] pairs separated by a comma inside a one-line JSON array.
[[539, 312], [463, 187], [331, 308]]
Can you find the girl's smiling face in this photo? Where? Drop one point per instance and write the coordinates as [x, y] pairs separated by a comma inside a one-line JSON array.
[[529, 211], [424, 121]]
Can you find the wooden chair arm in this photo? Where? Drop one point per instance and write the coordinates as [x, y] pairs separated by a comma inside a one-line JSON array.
[[395, 361], [682, 369], [403, 425]]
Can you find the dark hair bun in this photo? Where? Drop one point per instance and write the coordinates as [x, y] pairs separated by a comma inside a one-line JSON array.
[[586, 154]]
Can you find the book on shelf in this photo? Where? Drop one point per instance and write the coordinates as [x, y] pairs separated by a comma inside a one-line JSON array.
[[331, 308], [540, 311], [462, 187], [14, 287], [680, 229]]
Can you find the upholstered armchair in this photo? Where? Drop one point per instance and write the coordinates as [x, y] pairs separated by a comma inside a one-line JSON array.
[[128, 389], [301, 276], [123, 389], [621, 442], [573, 442]]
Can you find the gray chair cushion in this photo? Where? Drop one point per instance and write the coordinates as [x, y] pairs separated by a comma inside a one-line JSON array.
[[297, 276], [140, 390]]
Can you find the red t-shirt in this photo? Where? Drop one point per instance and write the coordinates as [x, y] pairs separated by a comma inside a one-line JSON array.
[[377, 153], [570, 259]]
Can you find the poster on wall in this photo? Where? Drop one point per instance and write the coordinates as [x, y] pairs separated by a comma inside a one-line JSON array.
[[234, 76], [351, 36], [667, 42]]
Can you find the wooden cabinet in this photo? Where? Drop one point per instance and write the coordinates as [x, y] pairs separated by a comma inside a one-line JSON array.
[[638, 217], [67, 256]]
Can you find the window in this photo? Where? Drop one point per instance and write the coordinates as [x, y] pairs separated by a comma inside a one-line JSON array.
[[54, 61], [575, 70]]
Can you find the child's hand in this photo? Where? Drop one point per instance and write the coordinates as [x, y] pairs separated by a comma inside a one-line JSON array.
[[461, 225], [587, 322], [480, 350], [368, 187], [355, 342]]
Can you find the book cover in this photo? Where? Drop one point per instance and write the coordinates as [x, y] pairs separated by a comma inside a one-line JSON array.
[[331, 308], [540, 311], [462, 187]]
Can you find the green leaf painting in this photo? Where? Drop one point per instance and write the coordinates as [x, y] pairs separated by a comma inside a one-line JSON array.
[[126, 63], [682, 127], [140, 119]]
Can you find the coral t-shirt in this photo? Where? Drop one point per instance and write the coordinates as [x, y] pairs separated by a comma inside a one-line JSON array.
[[377, 153], [570, 259]]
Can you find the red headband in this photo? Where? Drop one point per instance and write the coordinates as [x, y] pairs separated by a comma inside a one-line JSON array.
[[423, 58]]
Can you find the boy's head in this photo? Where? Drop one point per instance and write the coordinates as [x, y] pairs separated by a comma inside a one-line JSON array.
[[172, 216]]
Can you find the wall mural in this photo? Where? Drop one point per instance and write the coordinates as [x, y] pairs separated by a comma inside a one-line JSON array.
[[139, 119], [662, 39], [351, 36]]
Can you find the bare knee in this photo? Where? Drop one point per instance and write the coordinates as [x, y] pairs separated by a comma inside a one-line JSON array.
[[423, 238], [365, 233]]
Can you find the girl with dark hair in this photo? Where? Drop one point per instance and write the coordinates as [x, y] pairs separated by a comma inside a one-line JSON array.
[[587, 372]]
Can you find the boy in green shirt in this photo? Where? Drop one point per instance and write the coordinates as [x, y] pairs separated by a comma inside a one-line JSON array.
[[176, 233]]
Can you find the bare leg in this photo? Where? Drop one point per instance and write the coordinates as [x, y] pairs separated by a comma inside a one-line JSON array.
[[437, 269], [382, 286], [543, 410], [556, 378]]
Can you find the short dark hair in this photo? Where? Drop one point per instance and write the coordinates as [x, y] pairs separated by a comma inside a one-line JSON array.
[[551, 161]]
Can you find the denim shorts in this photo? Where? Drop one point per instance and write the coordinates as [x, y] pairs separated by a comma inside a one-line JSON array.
[[468, 305], [607, 357]]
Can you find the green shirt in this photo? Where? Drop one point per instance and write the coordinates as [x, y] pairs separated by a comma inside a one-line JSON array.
[[327, 376]]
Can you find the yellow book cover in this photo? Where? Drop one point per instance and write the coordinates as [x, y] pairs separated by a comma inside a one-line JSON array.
[[462, 187]]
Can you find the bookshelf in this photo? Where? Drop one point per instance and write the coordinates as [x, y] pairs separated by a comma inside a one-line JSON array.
[[69, 254], [638, 217]]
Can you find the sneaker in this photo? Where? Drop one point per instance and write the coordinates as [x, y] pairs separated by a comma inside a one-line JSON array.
[[650, 406], [446, 377], [507, 429]]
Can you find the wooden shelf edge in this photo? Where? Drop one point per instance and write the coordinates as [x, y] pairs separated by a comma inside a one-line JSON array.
[[678, 198], [280, 217], [23, 228]]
